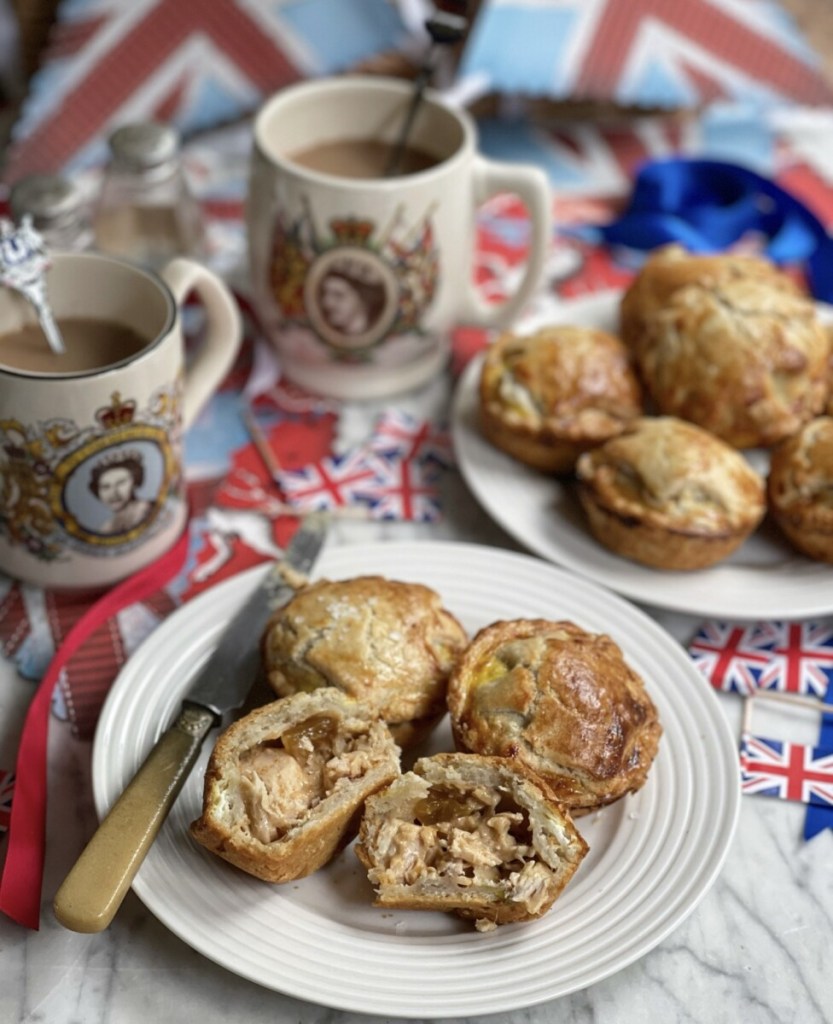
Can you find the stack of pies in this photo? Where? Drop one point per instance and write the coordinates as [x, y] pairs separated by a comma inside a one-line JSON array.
[[730, 355]]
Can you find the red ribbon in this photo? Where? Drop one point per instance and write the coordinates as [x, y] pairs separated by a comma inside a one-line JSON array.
[[22, 881]]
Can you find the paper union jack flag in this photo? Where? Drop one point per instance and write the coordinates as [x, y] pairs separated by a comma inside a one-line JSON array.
[[333, 482], [6, 794], [403, 489], [789, 771], [663, 53], [792, 657], [398, 433]]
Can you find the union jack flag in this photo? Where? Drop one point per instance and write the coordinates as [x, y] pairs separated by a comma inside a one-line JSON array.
[[793, 657], [398, 433], [730, 656], [335, 481], [6, 794], [403, 489], [664, 53], [789, 771], [802, 658]]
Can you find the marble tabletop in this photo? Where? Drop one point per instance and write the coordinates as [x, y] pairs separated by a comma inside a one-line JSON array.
[[753, 950]]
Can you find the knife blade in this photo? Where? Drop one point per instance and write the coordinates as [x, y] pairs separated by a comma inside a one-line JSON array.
[[93, 891]]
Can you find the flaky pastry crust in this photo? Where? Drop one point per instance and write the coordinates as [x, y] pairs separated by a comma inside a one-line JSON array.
[[285, 785], [548, 396], [560, 700], [729, 343], [670, 495], [481, 837], [389, 644], [800, 488]]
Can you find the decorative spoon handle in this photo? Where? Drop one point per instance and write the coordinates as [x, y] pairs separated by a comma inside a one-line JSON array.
[[23, 262]]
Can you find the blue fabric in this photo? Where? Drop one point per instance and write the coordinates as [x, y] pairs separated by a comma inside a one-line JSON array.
[[818, 818], [707, 205]]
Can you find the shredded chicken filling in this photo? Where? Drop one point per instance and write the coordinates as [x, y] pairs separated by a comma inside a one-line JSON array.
[[472, 838], [282, 781]]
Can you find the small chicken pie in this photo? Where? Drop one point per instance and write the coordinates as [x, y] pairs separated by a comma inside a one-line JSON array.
[[670, 495], [548, 396], [561, 701], [389, 644], [481, 837], [729, 343], [800, 488], [286, 784]]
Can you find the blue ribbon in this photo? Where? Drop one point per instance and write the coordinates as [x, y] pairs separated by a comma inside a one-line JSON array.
[[707, 205]]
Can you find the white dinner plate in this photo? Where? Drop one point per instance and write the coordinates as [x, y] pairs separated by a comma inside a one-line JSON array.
[[652, 855], [765, 578]]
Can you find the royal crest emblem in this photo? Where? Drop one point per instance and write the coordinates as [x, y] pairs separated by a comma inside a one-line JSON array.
[[357, 284], [100, 489]]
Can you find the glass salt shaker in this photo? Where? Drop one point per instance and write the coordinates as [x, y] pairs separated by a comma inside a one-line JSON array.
[[146, 211], [59, 210]]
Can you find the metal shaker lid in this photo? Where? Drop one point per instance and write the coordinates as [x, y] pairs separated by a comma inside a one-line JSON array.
[[48, 198], [143, 145]]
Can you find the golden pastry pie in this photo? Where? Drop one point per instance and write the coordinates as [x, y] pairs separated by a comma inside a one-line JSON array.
[[547, 397], [800, 488], [389, 644], [729, 343], [670, 495], [286, 784], [560, 700], [481, 837]]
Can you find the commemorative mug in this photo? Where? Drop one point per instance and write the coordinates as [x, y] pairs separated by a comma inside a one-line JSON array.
[[91, 441], [359, 274]]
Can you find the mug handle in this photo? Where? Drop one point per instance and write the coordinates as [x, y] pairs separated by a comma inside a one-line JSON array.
[[532, 187], [218, 351]]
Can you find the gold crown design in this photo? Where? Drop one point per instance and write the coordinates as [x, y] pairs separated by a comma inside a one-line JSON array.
[[352, 231], [118, 413]]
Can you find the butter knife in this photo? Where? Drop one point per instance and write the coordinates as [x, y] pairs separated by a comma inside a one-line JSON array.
[[95, 887]]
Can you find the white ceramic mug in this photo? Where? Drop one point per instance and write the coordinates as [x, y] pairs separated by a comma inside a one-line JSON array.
[[91, 476], [399, 249]]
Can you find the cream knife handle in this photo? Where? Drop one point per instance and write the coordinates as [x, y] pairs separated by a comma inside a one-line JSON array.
[[93, 890]]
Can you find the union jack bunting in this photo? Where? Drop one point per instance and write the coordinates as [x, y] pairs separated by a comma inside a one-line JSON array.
[[791, 657], [192, 63], [332, 482], [403, 489], [788, 771], [398, 433], [6, 794], [664, 53]]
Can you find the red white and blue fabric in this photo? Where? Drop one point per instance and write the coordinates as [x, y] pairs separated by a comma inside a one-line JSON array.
[[655, 53], [789, 771], [791, 657], [188, 62]]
